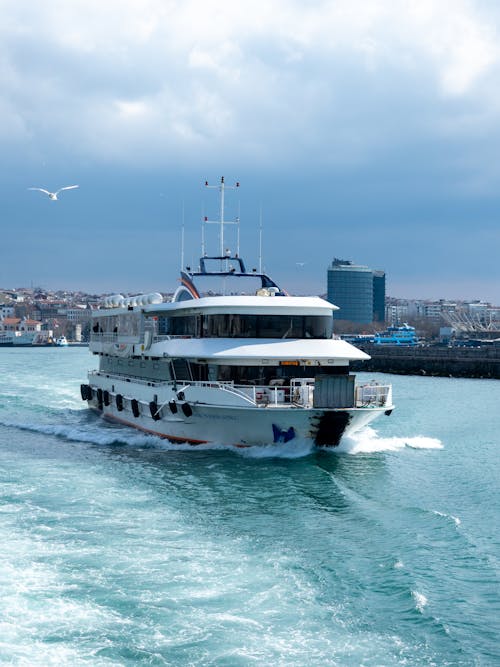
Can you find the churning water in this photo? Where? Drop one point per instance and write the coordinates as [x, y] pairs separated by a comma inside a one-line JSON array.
[[120, 549]]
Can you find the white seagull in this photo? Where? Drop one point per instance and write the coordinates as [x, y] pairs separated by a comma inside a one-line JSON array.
[[53, 195]]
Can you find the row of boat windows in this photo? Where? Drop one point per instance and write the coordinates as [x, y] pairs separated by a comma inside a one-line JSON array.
[[221, 326], [247, 326], [127, 324]]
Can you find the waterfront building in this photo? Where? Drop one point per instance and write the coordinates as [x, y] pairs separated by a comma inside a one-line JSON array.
[[6, 310], [379, 296], [357, 290]]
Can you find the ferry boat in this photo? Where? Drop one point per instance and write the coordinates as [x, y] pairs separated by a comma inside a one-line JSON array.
[[17, 332], [228, 367], [403, 335]]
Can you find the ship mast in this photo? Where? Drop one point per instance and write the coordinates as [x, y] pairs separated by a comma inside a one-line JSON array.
[[222, 187]]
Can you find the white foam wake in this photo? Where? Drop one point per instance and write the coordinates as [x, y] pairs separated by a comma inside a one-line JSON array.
[[98, 434], [367, 441], [450, 517], [420, 600], [89, 434]]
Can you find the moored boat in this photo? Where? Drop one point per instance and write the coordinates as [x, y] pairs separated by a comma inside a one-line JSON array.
[[397, 335], [232, 368]]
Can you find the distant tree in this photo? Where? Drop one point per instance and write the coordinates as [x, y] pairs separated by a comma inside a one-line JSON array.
[[348, 327], [425, 327]]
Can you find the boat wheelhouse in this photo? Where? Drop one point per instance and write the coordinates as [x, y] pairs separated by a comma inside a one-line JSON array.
[[226, 367]]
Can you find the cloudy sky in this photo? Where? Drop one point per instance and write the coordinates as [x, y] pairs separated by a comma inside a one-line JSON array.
[[362, 129]]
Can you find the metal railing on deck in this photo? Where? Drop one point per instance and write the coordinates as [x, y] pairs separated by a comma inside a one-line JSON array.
[[300, 392], [371, 395]]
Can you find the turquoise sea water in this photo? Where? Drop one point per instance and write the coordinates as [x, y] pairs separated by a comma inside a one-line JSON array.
[[120, 549]]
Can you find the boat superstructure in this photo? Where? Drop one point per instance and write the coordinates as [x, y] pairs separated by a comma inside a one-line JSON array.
[[397, 335], [231, 368]]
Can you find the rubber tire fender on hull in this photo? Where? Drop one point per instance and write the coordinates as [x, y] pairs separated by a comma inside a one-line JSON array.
[[187, 409], [153, 408], [86, 392]]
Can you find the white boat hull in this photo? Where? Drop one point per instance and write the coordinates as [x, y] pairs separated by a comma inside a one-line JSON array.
[[200, 423]]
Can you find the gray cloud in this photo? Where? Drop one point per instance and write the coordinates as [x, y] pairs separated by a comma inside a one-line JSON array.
[[361, 113]]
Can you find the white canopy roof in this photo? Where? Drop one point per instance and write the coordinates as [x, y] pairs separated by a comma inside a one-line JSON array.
[[257, 349], [251, 305]]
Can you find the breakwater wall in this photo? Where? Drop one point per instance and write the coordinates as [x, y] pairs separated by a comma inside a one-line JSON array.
[[477, 362]]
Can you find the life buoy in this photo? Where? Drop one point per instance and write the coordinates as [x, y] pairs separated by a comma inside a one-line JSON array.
[[173, 407], [105, 397], [119, 402], [134, 404], [187, 409], [153, 408]]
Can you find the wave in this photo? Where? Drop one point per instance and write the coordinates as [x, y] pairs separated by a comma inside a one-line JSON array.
[[89, 433], [450, 517], [420, 600], [101, 433], [367, 441]]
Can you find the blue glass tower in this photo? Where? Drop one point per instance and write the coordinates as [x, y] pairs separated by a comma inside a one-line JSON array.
[[358, 291]]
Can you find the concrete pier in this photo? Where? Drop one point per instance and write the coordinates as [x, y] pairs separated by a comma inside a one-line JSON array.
[[472, 362]]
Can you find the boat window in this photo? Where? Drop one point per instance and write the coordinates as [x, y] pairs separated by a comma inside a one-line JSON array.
[[107, 324], [232, 325], [270, 375], [129, 324], [267, 326], [126, 324], [179, 326]]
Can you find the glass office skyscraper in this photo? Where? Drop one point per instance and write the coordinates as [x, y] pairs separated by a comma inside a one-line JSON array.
[[358, 291], [379, 296]]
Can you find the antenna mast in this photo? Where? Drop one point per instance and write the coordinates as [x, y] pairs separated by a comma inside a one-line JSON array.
[[222, 188], [182, 238], [260, 240]]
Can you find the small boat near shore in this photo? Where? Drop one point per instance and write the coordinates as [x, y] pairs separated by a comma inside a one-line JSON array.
[[242, 365], [62, 341]]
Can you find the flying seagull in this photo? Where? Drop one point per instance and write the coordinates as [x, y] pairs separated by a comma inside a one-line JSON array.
[[53, 195]]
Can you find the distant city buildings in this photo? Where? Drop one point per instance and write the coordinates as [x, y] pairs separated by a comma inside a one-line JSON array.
[[461, 316], [359, 292]]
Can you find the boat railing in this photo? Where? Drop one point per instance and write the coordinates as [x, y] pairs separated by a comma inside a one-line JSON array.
[[262, 395], [372, 395], [102, 337], [126, 378], [300, 392], [164, 337]]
